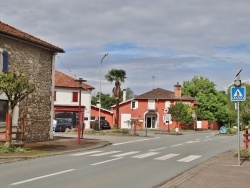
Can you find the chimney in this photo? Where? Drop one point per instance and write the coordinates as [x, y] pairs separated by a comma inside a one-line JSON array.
[[177, 90], [124, 95]]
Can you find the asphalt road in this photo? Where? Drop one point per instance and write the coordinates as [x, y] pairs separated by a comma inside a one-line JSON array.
[[129, 162]]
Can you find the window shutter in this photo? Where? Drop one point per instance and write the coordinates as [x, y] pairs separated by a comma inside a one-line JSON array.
[[5, 61], [54, 95], [75, 96]]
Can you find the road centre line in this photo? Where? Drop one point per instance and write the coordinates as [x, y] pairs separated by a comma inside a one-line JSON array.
[[134, 141], [105, 161], [41, 177]]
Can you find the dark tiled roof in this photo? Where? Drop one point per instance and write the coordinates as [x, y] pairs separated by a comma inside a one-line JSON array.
[[63, 80], [8, 30], [160, 93]]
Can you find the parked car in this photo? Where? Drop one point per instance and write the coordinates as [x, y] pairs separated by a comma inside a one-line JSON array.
[[62, 125], [104, 124]]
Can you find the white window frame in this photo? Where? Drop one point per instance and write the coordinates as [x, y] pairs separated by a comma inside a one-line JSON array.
[[135, 104]]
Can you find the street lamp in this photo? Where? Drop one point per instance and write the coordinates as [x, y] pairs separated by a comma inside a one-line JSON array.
[[80, 81], [101, 91]]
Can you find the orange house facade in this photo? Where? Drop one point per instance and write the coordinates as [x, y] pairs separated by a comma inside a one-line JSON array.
[[150, 108]]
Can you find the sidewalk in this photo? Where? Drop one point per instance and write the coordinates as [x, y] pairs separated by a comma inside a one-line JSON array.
[[221, 171]]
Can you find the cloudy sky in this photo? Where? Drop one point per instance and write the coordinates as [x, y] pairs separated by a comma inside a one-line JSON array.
[[157, 42]]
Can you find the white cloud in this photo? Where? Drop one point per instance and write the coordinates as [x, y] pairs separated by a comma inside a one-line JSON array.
[[171, 40]]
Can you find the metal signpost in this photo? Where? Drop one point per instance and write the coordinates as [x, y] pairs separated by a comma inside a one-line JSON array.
[[238, 94]]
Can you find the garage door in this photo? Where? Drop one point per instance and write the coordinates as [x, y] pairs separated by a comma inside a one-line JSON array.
[[125, 118]]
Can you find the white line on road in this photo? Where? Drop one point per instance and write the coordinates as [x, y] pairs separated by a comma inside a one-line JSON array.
[[40, 177], [134, 141], [164, 157], [125, 154], [145, 155], [157, 149], [105, 153], [177, 145], [190, 142], [189, 158], [106, 161], [84, 153], [207, 139]]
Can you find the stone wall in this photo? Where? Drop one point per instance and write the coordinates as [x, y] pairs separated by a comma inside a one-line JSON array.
[[37, 106]]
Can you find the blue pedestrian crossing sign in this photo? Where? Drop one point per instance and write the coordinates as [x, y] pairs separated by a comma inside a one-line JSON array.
[[238, 93]]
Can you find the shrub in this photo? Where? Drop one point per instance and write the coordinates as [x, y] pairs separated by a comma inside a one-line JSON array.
[[95, 126], [8, 148], [121, 131], [244, 153]]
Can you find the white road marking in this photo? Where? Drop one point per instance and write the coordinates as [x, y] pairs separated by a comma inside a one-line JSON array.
[[197, 139], [189, 158], [106, 161], [145, 155], [190, 142], [207, 139], [105, 153], [164, 157], [177, 145], [84, 153], [40, 177], [157, 149], [125, 154], [134, 141]]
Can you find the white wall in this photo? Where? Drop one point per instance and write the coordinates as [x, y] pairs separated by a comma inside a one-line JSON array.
[[64, 97]]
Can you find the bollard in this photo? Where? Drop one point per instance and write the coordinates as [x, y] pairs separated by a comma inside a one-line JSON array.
[[245, 139]]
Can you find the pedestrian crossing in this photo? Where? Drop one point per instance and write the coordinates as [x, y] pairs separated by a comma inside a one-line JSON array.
[[139, 155]]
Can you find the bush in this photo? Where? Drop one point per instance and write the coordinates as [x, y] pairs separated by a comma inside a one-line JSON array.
[[8, 148], [121, 131], [244, 153], [95, 126]]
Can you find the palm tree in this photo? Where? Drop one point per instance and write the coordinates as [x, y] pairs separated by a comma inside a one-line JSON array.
[[117, 76]]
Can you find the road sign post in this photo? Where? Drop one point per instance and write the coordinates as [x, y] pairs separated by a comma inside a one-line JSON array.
[[238, 94]]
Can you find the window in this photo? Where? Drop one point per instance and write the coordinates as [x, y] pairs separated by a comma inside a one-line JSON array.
[[134, 104], [167, 104], [75, 97], [3, 110], [54, 95], [4, 60], [92, 118]]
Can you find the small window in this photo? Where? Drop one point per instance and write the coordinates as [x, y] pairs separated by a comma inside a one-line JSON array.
[[75, 97], [92, 118], [134, 104]]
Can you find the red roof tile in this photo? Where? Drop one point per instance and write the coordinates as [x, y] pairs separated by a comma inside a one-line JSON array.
[[8, 30], [63, 80], [159, 93]]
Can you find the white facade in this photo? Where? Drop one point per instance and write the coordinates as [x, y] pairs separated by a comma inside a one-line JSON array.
[[64, 97]]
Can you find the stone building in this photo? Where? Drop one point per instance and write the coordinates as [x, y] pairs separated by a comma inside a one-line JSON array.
[[37, 57]]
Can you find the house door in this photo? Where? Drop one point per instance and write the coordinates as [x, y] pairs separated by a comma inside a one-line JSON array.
[[150, 122]]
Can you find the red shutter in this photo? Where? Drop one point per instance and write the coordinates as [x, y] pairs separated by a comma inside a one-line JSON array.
[[75, 97]]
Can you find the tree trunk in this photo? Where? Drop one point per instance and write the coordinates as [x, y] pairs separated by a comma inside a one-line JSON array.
[[117, 113]]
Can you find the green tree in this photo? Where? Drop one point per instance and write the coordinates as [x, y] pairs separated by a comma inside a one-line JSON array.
[[212, 104], [181, 113], [117, 76], [107, 100], [129, 94], [16, 85]]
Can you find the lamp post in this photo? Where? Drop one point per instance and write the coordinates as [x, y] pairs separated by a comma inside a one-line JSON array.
[[80, 81], [101, 91]]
